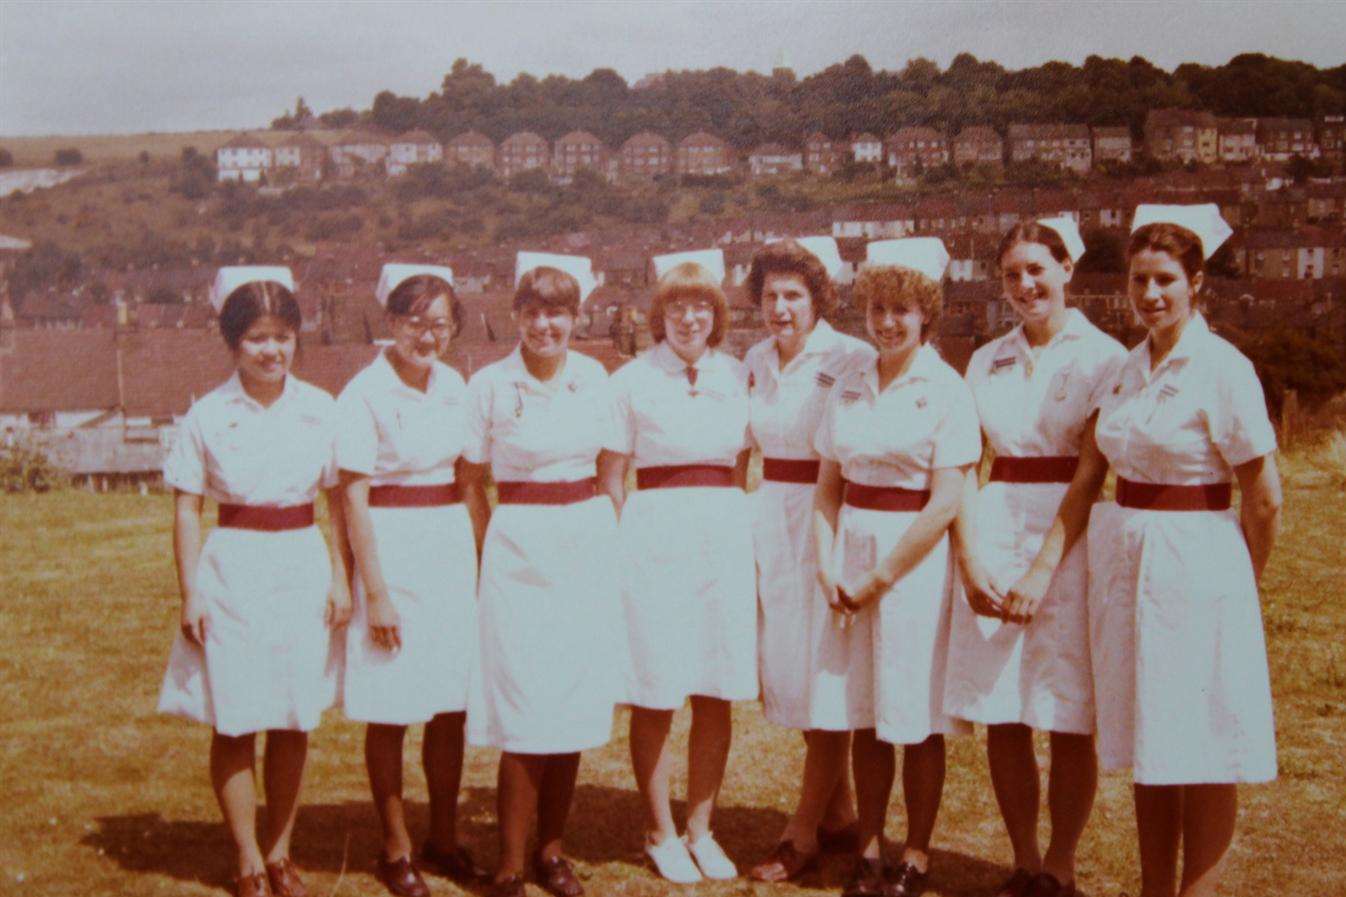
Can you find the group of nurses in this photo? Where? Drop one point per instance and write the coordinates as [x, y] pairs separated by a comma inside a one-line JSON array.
[[851, 622]]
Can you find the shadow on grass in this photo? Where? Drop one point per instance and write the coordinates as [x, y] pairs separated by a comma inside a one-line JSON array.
[[605, 828]]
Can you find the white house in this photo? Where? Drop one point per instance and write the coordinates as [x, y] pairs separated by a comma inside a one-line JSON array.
[[244, 158], [412, 148]]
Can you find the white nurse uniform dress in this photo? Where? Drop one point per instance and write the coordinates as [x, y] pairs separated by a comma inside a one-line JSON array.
[[1034, 405], [406, 441], [1179, 658], [269, 660], [548, 673], [892, 673], [795, 623], [687, 572]]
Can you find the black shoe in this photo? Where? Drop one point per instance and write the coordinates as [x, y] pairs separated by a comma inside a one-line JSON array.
[[456, 864], [866, 879], [401, 878], [908, 881], [1044, 884], [1016, 885]]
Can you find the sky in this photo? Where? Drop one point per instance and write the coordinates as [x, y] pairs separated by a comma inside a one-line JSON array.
[[117, 67]]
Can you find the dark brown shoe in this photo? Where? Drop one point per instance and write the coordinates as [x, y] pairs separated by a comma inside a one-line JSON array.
[[456, 864], [839, 840], [1044, 884], [907, 881], [557, 876], [866, 879], [284, 879], [510, 887], [785, 863], [1016, 885], [401, 878], [254, 885]]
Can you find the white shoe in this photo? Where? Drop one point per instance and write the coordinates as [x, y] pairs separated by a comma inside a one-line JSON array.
[[672, 860], [711, 858]]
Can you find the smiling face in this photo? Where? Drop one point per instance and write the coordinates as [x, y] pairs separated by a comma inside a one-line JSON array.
[[1034, 281], [1161, 293], [266, 350], [689, 321], [787, 307], [895, 325], [545, 327], [422, 338]]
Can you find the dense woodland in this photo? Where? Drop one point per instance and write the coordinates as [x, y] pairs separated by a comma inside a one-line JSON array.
[[747, 108]]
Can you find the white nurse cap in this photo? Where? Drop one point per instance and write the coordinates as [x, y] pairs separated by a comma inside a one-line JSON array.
[[712, 260], [394, 273], [577, 266], [924, 254], [1069, 232], [825, 250], [232, 277], [1204, 220]]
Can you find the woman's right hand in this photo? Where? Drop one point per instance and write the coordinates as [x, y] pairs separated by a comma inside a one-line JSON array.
[[385, 626], [194, 619], [982, 595]]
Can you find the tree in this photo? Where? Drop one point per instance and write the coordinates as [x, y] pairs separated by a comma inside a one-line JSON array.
[[6, 158], [69, 156]]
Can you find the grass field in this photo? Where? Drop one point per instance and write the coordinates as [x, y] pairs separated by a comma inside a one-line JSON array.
[[37, 152], [103, 797]]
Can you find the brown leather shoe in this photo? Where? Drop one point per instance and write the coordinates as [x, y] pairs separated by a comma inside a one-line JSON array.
[[784, 863], [839, 840], [1016, 885], [510, 887], [557, 876], [254, 885], [866, 879], [456, 864], [284, 879], [907, 881], [401, 879]]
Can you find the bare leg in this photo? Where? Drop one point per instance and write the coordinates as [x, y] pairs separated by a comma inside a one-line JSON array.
[[517, 786], [922, 788], [1159, 813], [840, 811], [1014, 777], [282, 777], [383, 761], [1209, 815], [1070, 798], [554, 796], [231, 762], [708, 752], [442, 759], [650, 762], [875, 766], [823, 783]]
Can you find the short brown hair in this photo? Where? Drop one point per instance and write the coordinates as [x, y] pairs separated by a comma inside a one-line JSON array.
[[790, 258], [547, 286], [879, 282], [688, 281], [1034, 232], [1173, 239], [416, 294], [251, 302]]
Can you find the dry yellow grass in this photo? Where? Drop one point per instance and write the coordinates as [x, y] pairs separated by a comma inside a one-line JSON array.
[[37, 152], [103, 797]]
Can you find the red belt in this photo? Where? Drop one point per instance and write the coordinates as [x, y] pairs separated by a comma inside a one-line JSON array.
[[784, 470], [1159, 497], [563, 492], [398, 496], [671, 476], [271, 518], [1043, 469], [885, 498]]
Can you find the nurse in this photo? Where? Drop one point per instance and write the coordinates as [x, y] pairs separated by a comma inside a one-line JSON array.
[[897, 438], [688, 576], [1036, 388], [412, 639], [548, 672], [260, 598], [790, 374], [1179, 658]]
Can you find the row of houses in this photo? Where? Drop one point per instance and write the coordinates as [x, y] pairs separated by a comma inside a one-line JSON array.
[[1179, 135]]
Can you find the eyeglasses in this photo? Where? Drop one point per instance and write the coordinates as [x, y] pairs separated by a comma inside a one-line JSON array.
[[417, 326], [680, 307]]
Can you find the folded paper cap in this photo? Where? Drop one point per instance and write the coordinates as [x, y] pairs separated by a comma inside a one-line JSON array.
[[712, 260], [577, 266], [231, 278], [394, 274], [1069, 232], [825, 250], [924, 254], [1204, 220]]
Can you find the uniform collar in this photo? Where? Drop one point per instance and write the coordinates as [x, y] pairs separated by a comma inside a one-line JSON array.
[[822, 339], [234, 391], [663, 355], [1189, 343], [1076, 327], [923, 367], [392, 379], [520, 375]]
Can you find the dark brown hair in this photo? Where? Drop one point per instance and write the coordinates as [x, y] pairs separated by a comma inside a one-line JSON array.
[[1034, 232], [547, 286], [791, 258], [889, 282], [688, 281], [416, 294], [251, 302], [1173, 239]]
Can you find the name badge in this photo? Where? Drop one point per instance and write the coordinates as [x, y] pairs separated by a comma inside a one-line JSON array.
[[1167, 391], [849, 396], [1000, 365], [824, 380]]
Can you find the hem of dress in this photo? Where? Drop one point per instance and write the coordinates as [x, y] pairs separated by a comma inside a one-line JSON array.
[[681, 702], [408, 720], [990, 719], [523, 747], [183, 713]]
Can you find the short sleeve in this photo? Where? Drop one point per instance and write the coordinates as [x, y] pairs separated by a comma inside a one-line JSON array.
[[822, 438], [623, 416], [331, 471], [1238, 421], [477, 442], [357, 436], [612, 437], [185, 466], [957, 438], [1106, 374]]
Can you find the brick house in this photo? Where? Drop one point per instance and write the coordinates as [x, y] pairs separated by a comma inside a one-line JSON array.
[[772, 159], [916, 148], [978, 145], [243, 158], [1182, 135], [1236, 139], [1066, 146], [523, 151], [300, 157], [822, 154], [472, 149], [577, 150], [412, 148], [357, 151], [703, 154], [1112, 144], [646, 155], [1332, 137], [1281, 139], [866, 149]]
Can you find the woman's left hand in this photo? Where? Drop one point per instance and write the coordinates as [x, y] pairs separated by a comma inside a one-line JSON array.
[[338, 606], [1023, 599], [870, 590]]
